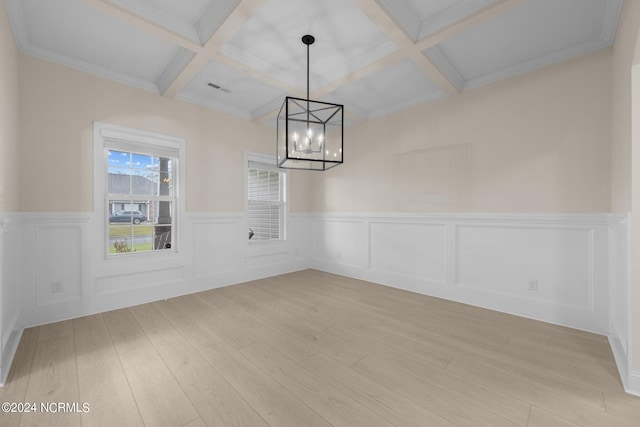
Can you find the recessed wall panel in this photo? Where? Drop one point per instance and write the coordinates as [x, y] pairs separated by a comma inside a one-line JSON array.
[[127, 282], [416, 250], [339, 241], [58, 265], [215, 248], [538, 263]]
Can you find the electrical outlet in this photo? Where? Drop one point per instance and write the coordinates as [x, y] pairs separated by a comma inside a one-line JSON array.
[[533, 285], [56, 286]]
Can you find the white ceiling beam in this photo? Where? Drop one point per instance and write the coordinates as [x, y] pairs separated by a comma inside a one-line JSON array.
[[433, 72], [259, 75], [409, 49], [203, 54], [376, 14], [405, 45], [368, 69], [130, 18], [210, 50], [482, 16]]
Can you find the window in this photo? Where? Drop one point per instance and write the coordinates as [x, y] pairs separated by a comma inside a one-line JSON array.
[[266, 199], [139, 181]]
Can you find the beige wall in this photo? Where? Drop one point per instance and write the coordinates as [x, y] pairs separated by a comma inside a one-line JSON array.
[[57, 109], [539, 142], [8, 115]]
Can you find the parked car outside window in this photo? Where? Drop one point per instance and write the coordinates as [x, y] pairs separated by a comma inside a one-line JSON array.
[[127, 216]]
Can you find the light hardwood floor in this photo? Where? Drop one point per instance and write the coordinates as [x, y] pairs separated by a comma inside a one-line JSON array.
[[315, 349]]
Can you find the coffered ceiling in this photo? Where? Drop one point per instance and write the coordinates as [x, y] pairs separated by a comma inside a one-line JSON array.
[[374, 56]]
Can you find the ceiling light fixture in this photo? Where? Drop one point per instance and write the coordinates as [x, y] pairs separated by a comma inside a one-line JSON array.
[[310, 133]]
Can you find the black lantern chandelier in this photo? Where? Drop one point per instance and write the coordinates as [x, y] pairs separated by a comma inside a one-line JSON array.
[[310, 133]]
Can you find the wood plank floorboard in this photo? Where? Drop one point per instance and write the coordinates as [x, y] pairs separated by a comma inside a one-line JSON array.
[[53, 376], [315, 349], [100, 374]]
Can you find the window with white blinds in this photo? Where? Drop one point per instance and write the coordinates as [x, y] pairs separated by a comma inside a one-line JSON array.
[[265, 202]]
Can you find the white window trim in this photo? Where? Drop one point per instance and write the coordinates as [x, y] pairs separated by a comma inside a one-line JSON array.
[[102, 131], [267, 246]]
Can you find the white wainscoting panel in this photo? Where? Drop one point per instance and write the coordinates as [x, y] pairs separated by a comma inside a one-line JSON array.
[[578, 262], [59, 273], [218, 242], [302, 237], [619, 297], [340, 241], [413, 250], [10, 292], [549, 267], [619, 281], [64, 272], [53, 251], [127, 281], [263, 259]]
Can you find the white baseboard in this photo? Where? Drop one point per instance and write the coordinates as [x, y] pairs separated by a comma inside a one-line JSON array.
[[633, 384], [630, 379]]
